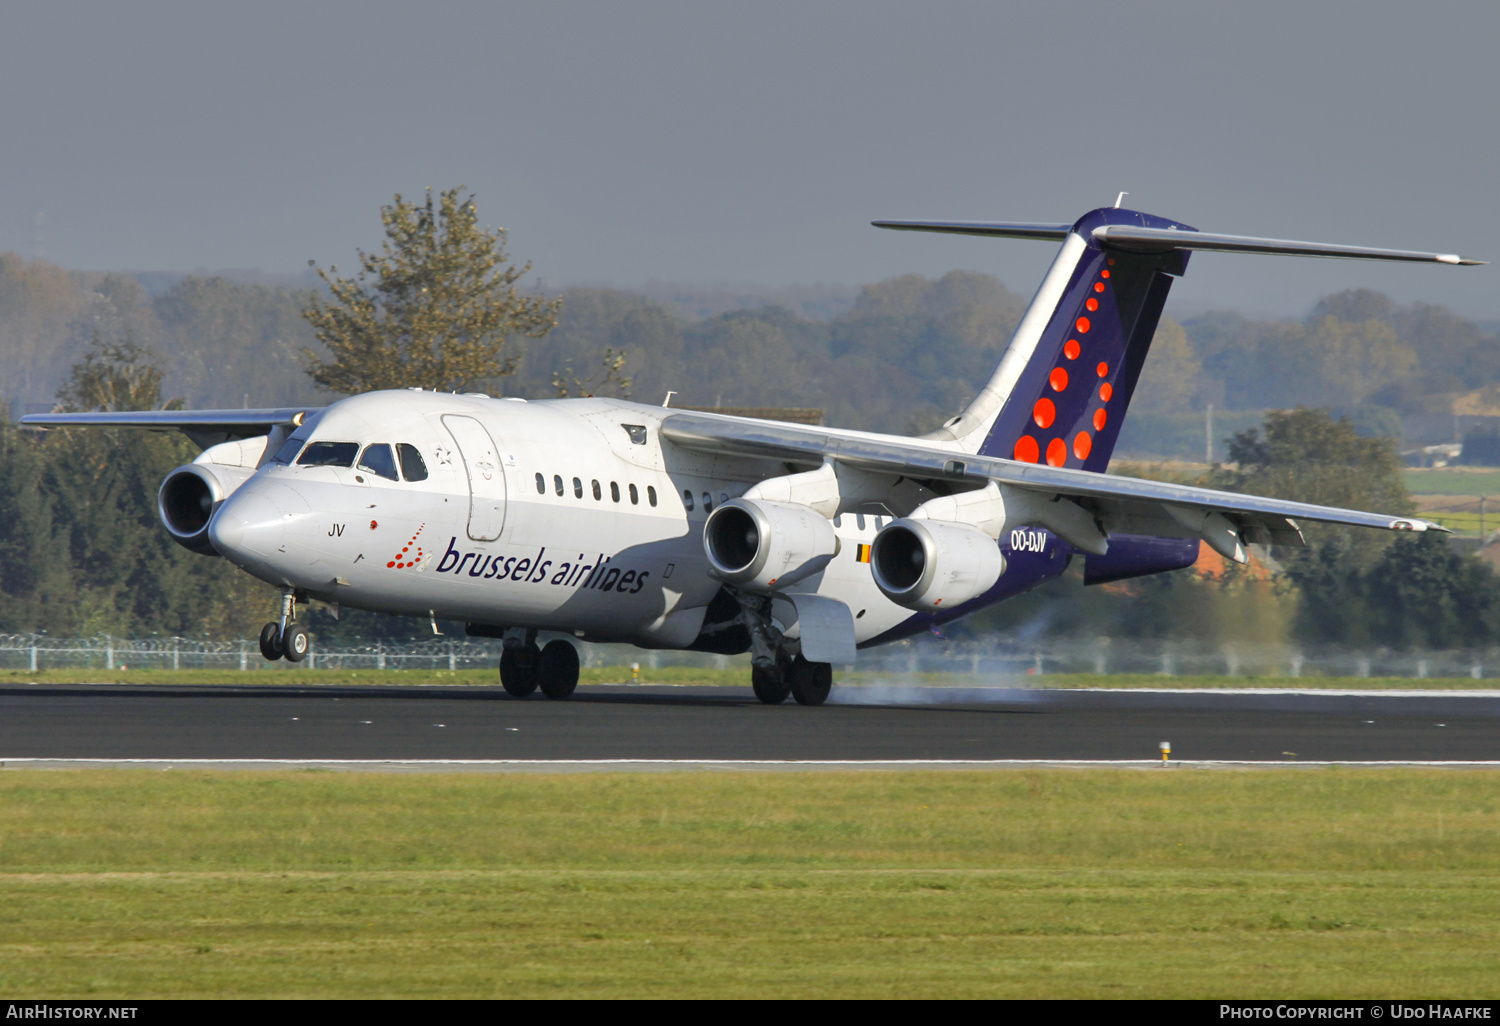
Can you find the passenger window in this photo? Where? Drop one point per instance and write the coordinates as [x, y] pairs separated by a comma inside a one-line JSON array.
[[687, 499], [614, 491], [377, 459], [329, 454], [577, 488], [651, 494], [597, 493], [708, 503], [635, 496], [412, 466], [541, 484], [557, 484]]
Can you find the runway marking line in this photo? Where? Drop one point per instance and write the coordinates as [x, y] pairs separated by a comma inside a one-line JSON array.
[[392, 764]]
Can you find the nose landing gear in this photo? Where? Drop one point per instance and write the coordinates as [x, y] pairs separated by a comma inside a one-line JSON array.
[[285, 640]]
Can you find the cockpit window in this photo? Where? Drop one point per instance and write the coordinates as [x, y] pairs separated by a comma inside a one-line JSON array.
[[288, 450], [412, 466], [377, 459], [329, 454]]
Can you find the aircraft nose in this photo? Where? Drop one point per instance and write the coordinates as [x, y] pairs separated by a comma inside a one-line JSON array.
[[252, 521]]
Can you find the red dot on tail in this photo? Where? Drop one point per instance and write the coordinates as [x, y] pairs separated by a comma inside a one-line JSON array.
[[1103, 370], [1099, 285], [1058, 379], [1027, 450], [1104, 274], [1057, 453], [1071, 349], [391, 563], [1099, 419], [1082, 444], [1092, 305], [1044, 413], [1106, 391], [1083, 325]]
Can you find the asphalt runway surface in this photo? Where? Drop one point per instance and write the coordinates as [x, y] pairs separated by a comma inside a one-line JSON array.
[[715, 724]]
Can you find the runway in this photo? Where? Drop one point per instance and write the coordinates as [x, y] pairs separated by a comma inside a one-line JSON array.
[[899, 726]]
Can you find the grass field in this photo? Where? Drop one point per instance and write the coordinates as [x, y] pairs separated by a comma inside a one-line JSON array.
[[737, 677], [1046, 883], [1453, 481]]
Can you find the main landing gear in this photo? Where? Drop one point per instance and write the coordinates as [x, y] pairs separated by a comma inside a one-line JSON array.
[[807, 683], [285, 640], [524, 667]]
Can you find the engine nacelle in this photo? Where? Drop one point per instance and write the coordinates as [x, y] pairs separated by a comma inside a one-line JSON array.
[[765, 546], [934, 564], [188, 497]]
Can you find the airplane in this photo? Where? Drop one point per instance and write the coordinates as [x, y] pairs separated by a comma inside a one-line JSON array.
[[615, 521]]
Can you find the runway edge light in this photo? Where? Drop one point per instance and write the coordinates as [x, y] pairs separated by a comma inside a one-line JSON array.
[[1166, 752]]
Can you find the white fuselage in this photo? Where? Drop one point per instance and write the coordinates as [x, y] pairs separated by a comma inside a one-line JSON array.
[[532, 514]]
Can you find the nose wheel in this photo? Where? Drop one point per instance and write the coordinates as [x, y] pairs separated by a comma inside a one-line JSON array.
[[285, 640]]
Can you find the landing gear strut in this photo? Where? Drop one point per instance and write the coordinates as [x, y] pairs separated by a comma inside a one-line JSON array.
[[285, 640], [524, 667]]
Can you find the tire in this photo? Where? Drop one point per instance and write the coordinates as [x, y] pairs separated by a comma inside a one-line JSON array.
[[295, 644], [557, 670], [770, 686], [810, 682], [270, 641], [518, 670]]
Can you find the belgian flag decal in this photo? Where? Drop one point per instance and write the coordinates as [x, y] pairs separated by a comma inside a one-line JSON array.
[[862, 553]]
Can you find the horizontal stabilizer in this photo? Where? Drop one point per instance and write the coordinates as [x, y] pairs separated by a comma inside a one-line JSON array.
[[1136, 239], [998, 229], [1161, 240]]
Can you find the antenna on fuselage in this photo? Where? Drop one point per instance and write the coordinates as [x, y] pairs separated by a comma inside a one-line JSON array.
[[1120, 199], [668, 400]]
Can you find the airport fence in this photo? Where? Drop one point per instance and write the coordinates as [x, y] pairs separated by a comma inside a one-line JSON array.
[[988, 660]]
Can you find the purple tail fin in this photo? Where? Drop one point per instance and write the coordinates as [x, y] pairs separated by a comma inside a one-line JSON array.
[[1067, 405]]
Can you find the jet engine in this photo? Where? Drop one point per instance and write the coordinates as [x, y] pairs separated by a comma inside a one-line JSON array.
[[764, 546], [933, 564], [188, 497]]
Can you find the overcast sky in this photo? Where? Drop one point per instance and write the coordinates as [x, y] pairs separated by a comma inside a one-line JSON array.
[[753, 142]]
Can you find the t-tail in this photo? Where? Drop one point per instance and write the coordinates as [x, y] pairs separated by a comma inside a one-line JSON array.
[[1063, 385]]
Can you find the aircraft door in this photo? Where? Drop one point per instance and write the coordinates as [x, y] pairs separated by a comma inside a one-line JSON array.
[[486, 476]]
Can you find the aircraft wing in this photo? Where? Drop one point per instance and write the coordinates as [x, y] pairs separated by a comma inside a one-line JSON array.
[[205, 427], [1122, 505]]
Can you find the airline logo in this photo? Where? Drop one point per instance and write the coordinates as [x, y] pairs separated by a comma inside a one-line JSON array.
[[594, 576]]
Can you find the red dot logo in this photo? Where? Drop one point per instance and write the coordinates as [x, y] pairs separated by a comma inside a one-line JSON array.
[[1083, 325], [1106, 391], [1071, 349], [1026, 449], [1099, 285], [1103, 370], [1099, 419], [1091, 305], [1057, 453], [391, 563], [1104, 274], [1058, 379], [1082, 444], [1044, 413]]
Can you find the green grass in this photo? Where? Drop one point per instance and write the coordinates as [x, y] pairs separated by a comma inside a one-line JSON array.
[[1045, 883], [734, 677], [1453, 481]]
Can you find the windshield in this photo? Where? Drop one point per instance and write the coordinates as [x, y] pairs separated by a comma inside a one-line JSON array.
[[377, 459], [329, 454], [289, 449]]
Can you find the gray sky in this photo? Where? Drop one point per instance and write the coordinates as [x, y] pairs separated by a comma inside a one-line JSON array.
[[753, 142]]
